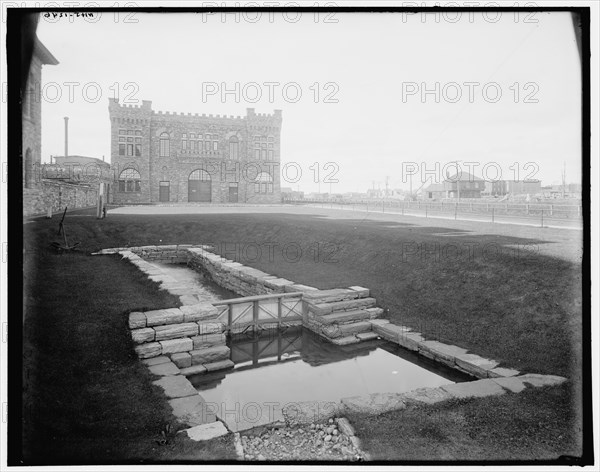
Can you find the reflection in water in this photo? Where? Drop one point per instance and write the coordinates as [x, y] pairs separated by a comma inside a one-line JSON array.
[[294, 364]]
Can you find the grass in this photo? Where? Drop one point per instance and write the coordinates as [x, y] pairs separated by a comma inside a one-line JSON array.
[[523, 310], [529, 426], [87, 398]]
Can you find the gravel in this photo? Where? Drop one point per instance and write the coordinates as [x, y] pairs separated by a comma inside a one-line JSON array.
[[293, 442]]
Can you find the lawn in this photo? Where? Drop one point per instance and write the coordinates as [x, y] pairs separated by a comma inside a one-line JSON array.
[[517, 307]]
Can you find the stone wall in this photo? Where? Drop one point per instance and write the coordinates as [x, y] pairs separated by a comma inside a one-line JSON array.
[[58, 195]]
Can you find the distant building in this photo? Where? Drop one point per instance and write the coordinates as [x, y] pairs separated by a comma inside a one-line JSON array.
[[504, 187], [177, 157], [464, 185]]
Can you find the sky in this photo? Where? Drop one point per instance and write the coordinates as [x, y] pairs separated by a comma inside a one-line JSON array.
[[368, 99]]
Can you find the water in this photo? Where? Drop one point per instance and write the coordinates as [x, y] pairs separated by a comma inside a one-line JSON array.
[[295, 365]]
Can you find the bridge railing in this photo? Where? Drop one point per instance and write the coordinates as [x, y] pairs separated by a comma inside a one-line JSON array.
[[271, 310]]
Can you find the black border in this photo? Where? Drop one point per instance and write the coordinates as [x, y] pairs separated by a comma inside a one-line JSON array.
[[15, 43]]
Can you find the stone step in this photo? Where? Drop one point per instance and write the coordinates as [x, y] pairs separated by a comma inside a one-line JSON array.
[[209, 355], [346, 305], [332, 295], [338, 331], [341, 317]]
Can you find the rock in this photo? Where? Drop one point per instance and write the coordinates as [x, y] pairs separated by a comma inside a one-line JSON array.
[[198, 312], [219, 365], [345, 427], [307, 412], [206, 431], [502, 372], [209, 355], [205, 328], [182, 359], [427, 395], [171, 346], [475, 365], [137, 319], [513, 384], [478, 388], [192, 410], [176, 386], [208, 340], [156, 360], [163, 317], [164, 369], [193, 370], [260, 457], [538, 380], [142, 335], [174, 331], [144, 351], [374, 404], [328, 438]]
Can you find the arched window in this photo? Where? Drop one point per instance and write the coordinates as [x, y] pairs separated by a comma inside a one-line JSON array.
[[234, 148], [263, 183], [129, 180], [199, 174], [164, 145], [28, 168]]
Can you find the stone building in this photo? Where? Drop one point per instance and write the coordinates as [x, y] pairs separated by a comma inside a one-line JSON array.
[[169, 157], [32, 118]]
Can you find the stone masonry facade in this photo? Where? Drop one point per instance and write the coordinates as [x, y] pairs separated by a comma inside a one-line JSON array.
[[167, 157]]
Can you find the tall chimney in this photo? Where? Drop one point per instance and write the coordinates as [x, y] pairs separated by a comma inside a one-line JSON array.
[[66, 136]]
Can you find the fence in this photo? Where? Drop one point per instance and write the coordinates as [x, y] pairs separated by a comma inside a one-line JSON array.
[[493, 211], [270, 310]]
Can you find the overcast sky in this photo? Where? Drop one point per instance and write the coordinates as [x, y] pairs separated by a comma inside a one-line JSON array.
[[369, 116]]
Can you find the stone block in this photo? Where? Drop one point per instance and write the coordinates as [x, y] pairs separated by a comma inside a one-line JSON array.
[[210, 328], [156, 360], [345, 427], [367, 336], [375, 312], [208, 355], [163, 317], [208, 340], [206, 431], [374, 404], [443, 351], [362, 291], [502, 372], [171, 346], [477, 388], [187, 300], [176, 386], [144, 351], [174, 331], [142, 335], [164, 369], [475, 365], [513, 384], [182, 359], [538, 380], [137, 319], [219, 365], [344, 340], [427, 395], [198, 312], [298, 288], [193, 370], [277, 284], [192, 410], [331, 295], [311, 412]]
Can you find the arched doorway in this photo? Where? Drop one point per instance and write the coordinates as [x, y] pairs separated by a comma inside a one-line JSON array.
[[199, 186]]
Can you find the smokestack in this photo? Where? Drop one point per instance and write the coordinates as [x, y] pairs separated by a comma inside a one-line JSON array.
[[66, 136]]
